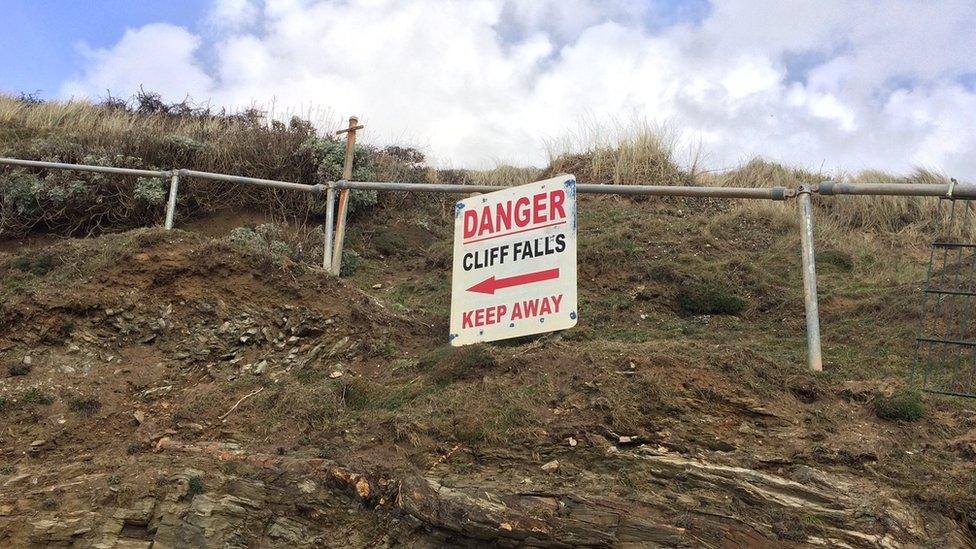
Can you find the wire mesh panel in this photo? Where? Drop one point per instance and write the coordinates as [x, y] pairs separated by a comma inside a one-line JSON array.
[[945, 353]]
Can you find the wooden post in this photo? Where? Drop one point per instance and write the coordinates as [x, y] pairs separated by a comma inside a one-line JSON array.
[[340, 233]]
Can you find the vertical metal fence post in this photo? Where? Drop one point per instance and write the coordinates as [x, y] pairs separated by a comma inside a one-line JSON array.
[[340, 234], [174, 185], [805, 206], [329, 226]]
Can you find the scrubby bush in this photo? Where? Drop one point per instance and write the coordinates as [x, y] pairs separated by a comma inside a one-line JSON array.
[[904, 405], [148, 133], [388, 241], [328, 156], [73, 202], [150, 191], [183, 144], [709, 297], [264, 239], [350, 263]]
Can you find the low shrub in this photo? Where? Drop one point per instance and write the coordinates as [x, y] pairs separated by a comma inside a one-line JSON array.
[[263, 239], [150, 191], [350, 263], [37, 265]]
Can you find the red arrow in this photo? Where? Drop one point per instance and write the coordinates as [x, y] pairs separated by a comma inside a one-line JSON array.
[[489, 285]]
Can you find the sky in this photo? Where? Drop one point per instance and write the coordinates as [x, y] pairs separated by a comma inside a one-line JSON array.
[[834, 85]]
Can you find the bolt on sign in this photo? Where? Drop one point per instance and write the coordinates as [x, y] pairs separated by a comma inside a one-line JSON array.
[[515, 262]]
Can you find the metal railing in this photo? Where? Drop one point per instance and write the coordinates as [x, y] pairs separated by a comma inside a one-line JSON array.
[[335, 228]]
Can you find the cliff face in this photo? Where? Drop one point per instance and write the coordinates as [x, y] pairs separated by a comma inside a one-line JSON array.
[[165, 389]]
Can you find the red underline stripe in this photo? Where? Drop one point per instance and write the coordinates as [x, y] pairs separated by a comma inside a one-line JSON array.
[[514, 232]]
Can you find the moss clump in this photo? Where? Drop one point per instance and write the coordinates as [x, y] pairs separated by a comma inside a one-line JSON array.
[[905, 405], [709, 297]]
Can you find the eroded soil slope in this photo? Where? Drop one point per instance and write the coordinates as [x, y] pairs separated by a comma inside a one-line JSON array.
[[173, 390]]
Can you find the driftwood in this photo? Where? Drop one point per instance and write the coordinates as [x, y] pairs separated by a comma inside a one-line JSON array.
[[846, 515]]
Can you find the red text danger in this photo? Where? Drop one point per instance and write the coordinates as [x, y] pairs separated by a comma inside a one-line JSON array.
[[519, 214]]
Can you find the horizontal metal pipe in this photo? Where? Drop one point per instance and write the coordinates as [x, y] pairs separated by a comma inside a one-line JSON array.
[[769, 193], [84, 168], [959, 190], [828, 188], [254, 181], [774, 193]]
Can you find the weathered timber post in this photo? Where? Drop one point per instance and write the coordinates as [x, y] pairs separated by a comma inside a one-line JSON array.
[[340, 231]]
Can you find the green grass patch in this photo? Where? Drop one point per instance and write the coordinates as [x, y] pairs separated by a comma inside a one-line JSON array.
[[362, 396], [37, 265], [709, 297], [446, 365], [842, 261], [35, 396], [905, 405], [388, 241]]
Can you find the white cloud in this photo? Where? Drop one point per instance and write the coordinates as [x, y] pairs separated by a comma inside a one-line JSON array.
[[233, 14], [481, 81], [158, 57]]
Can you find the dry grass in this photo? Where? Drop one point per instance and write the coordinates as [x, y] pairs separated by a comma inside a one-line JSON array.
[[250, 143], [228, 143], [911, 218], [621, 153], [147, 133]]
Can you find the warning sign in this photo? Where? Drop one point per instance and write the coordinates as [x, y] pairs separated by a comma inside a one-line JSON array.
[[515, 262]]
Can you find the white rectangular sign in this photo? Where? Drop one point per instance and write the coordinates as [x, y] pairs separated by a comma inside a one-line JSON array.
[[515, 262]]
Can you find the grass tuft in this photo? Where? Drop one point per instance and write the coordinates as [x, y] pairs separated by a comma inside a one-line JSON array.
[[86, 406], [18, 369], [904, 405], [195, 486]]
